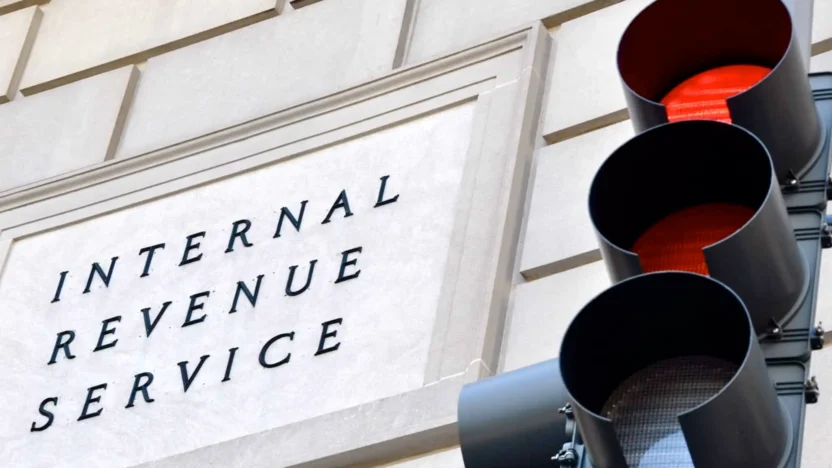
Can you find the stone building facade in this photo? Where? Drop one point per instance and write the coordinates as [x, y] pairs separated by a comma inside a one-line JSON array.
[[265, 233]]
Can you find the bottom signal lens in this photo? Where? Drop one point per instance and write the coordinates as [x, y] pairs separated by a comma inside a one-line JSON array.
[[676, 242], [704, 95], [644, 409]]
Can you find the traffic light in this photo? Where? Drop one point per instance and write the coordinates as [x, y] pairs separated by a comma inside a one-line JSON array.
[[664, 370], [710, 221], [737, 61], [701, 196]]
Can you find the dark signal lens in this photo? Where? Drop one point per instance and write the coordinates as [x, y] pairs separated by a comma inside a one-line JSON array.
[[676, 241], [703, 96]]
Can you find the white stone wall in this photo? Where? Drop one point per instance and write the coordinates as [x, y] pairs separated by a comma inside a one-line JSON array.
[[496, 114]]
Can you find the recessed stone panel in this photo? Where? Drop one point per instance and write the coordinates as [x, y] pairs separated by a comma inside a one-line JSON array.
[[336, 311], [442, 26], [543, 309], [261, 69], [64, 129], [584, 87], [79, 37], [17, 33], [559, 234]]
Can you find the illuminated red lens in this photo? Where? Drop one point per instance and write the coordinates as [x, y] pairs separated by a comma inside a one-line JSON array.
[[703, 96], [676, 242]]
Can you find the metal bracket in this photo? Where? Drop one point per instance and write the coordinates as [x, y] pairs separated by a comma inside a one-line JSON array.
[[566, 458], [825, 236], [829, 189], [817, 339], [820, 338], [811, 390]]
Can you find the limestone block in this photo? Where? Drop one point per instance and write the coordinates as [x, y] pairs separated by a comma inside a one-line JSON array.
[[64, 129], [822, 62], [258, 70], [543, 309], [558, 232], [822, 26], [584, 87], [449, 458], [446, 25], [17, 34], [82, 37]]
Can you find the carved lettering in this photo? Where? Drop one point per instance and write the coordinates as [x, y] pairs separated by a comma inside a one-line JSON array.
[[105, 277], [50, 417], [340, 202], [60, 287], [285, 213], [187, 380], [236, 233], [61, 344], [265, 349], [148, 325], [85, 414], [325, 333], [107, 331], [292, 269], [139, 386], [193, 306], [252, 297], [149, 251], [191, 245]]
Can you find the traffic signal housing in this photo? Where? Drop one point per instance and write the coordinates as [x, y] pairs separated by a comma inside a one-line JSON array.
[[736, 61], [711, 221], [701, 196], [664, 369]]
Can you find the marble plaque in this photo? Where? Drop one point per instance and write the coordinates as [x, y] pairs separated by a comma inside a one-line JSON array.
[[186, 321]]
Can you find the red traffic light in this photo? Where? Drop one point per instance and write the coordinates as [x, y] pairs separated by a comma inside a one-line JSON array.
[[735, 61], [700, 196], [676, 241], [704, 96]]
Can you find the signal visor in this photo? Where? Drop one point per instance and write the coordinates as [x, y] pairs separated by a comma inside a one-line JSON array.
[[734, 61], [700, 196], [654, 381]]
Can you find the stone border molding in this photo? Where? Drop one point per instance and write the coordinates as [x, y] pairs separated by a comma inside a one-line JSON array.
[[504, 78]]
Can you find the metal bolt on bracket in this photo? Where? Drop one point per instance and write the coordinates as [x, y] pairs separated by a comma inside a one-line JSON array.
[[566, 458], [812, 390], [817, 339], [792, 182], [829, 189], [775, 331]]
